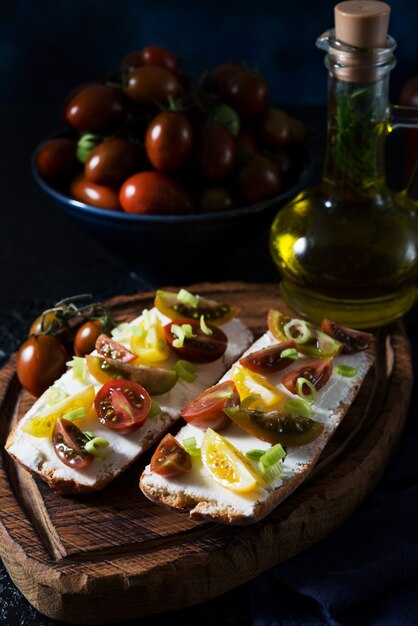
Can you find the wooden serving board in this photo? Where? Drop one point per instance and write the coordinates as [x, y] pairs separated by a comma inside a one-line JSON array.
[[114, 555]]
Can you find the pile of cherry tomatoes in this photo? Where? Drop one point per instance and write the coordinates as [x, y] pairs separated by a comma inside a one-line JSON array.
[[151, 139]]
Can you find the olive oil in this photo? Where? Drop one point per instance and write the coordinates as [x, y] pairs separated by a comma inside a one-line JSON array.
[[348, 249]]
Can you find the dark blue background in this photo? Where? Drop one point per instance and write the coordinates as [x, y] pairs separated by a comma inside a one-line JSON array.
[[47, 47]]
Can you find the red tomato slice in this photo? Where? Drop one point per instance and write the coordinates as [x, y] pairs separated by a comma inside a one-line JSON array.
[[68, 441], [122, 405], [269, 359], [111, 349], [207, 410], [352, 340], [170, 458], [317, 372], [201, 348]]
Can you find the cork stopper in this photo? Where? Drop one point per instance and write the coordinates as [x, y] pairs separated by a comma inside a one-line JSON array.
[[362, 24]]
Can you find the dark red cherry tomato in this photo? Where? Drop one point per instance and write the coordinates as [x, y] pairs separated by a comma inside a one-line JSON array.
[[216, 152], [40, 361], [270, 359], [85, 337], [96, 109], [122, 405], [259, 179], [97, 195], [153, 193], [46, 323], [201, 348], [222, 73], [153, 55], [69, 441], [214, 199], [247, 92], [150, 85], [170, 458], [111, 162], [275, 128], [352, 340], [247, 144], [111, 349], [317, 372], [207, 410], [56, 160], [169, 140], [276, 426]]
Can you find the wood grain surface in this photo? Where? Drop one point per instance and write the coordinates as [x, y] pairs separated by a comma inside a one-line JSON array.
[[114, 555]]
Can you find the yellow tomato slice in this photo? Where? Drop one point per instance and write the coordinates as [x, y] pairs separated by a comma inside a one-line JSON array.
[[227, 465], [249, 383], [150, 345], [43, 424]]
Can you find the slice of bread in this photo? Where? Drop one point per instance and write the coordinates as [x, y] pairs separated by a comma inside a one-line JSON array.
[[38, 456], [197, 492]]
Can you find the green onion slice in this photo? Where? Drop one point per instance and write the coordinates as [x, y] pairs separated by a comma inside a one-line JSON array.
[[249, 401], [122, 332], [273, 473], [185, 370], [80, 371], [309, 397], [75, 414], [272, 456], [188, 298], [155, 409], [203, 326], [301, 332], [98, 446], [190, 445], [138, 331], [255, 455], [289, 353], [147, 319], [345, 370], [297, 406], [55, 395], [181, 332]]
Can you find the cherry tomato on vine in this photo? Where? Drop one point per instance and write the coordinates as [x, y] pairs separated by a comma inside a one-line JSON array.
[[247, 92], [259, 179], [214, 199], [169, 140], [222, 74], [153, 55], [122, 405], [111, 162], [216, 152], [97, 195], [40, 361], [207, 410], [275, 128], [153, 193], [247, 144], [149, 85], [170, 458], [68, 441], [96, 109], [201, 347], [56, 160], [317, 372], [85, 337], [46, 323]]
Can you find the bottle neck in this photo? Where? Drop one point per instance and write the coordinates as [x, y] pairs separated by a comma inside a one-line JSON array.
[[358, 123]]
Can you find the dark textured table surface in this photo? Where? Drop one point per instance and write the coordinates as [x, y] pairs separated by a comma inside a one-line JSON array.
[[45, 257]]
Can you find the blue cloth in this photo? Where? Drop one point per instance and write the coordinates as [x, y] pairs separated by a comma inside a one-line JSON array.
[[365, 573]]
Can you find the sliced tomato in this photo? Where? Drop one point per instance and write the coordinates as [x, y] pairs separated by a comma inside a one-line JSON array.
[[122, 405], [170, 458], [276, 426], [310, 340], [352, 340], [216, 313], [110, 349], [149, 344], [201, 347], [101, 369], [317, 372], [270, 359], [69, 441], [207, 410]]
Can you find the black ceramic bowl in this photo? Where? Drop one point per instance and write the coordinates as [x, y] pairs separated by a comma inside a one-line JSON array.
[[169, 246]]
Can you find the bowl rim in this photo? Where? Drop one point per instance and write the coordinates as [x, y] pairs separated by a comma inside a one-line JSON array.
[[122, 216]]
